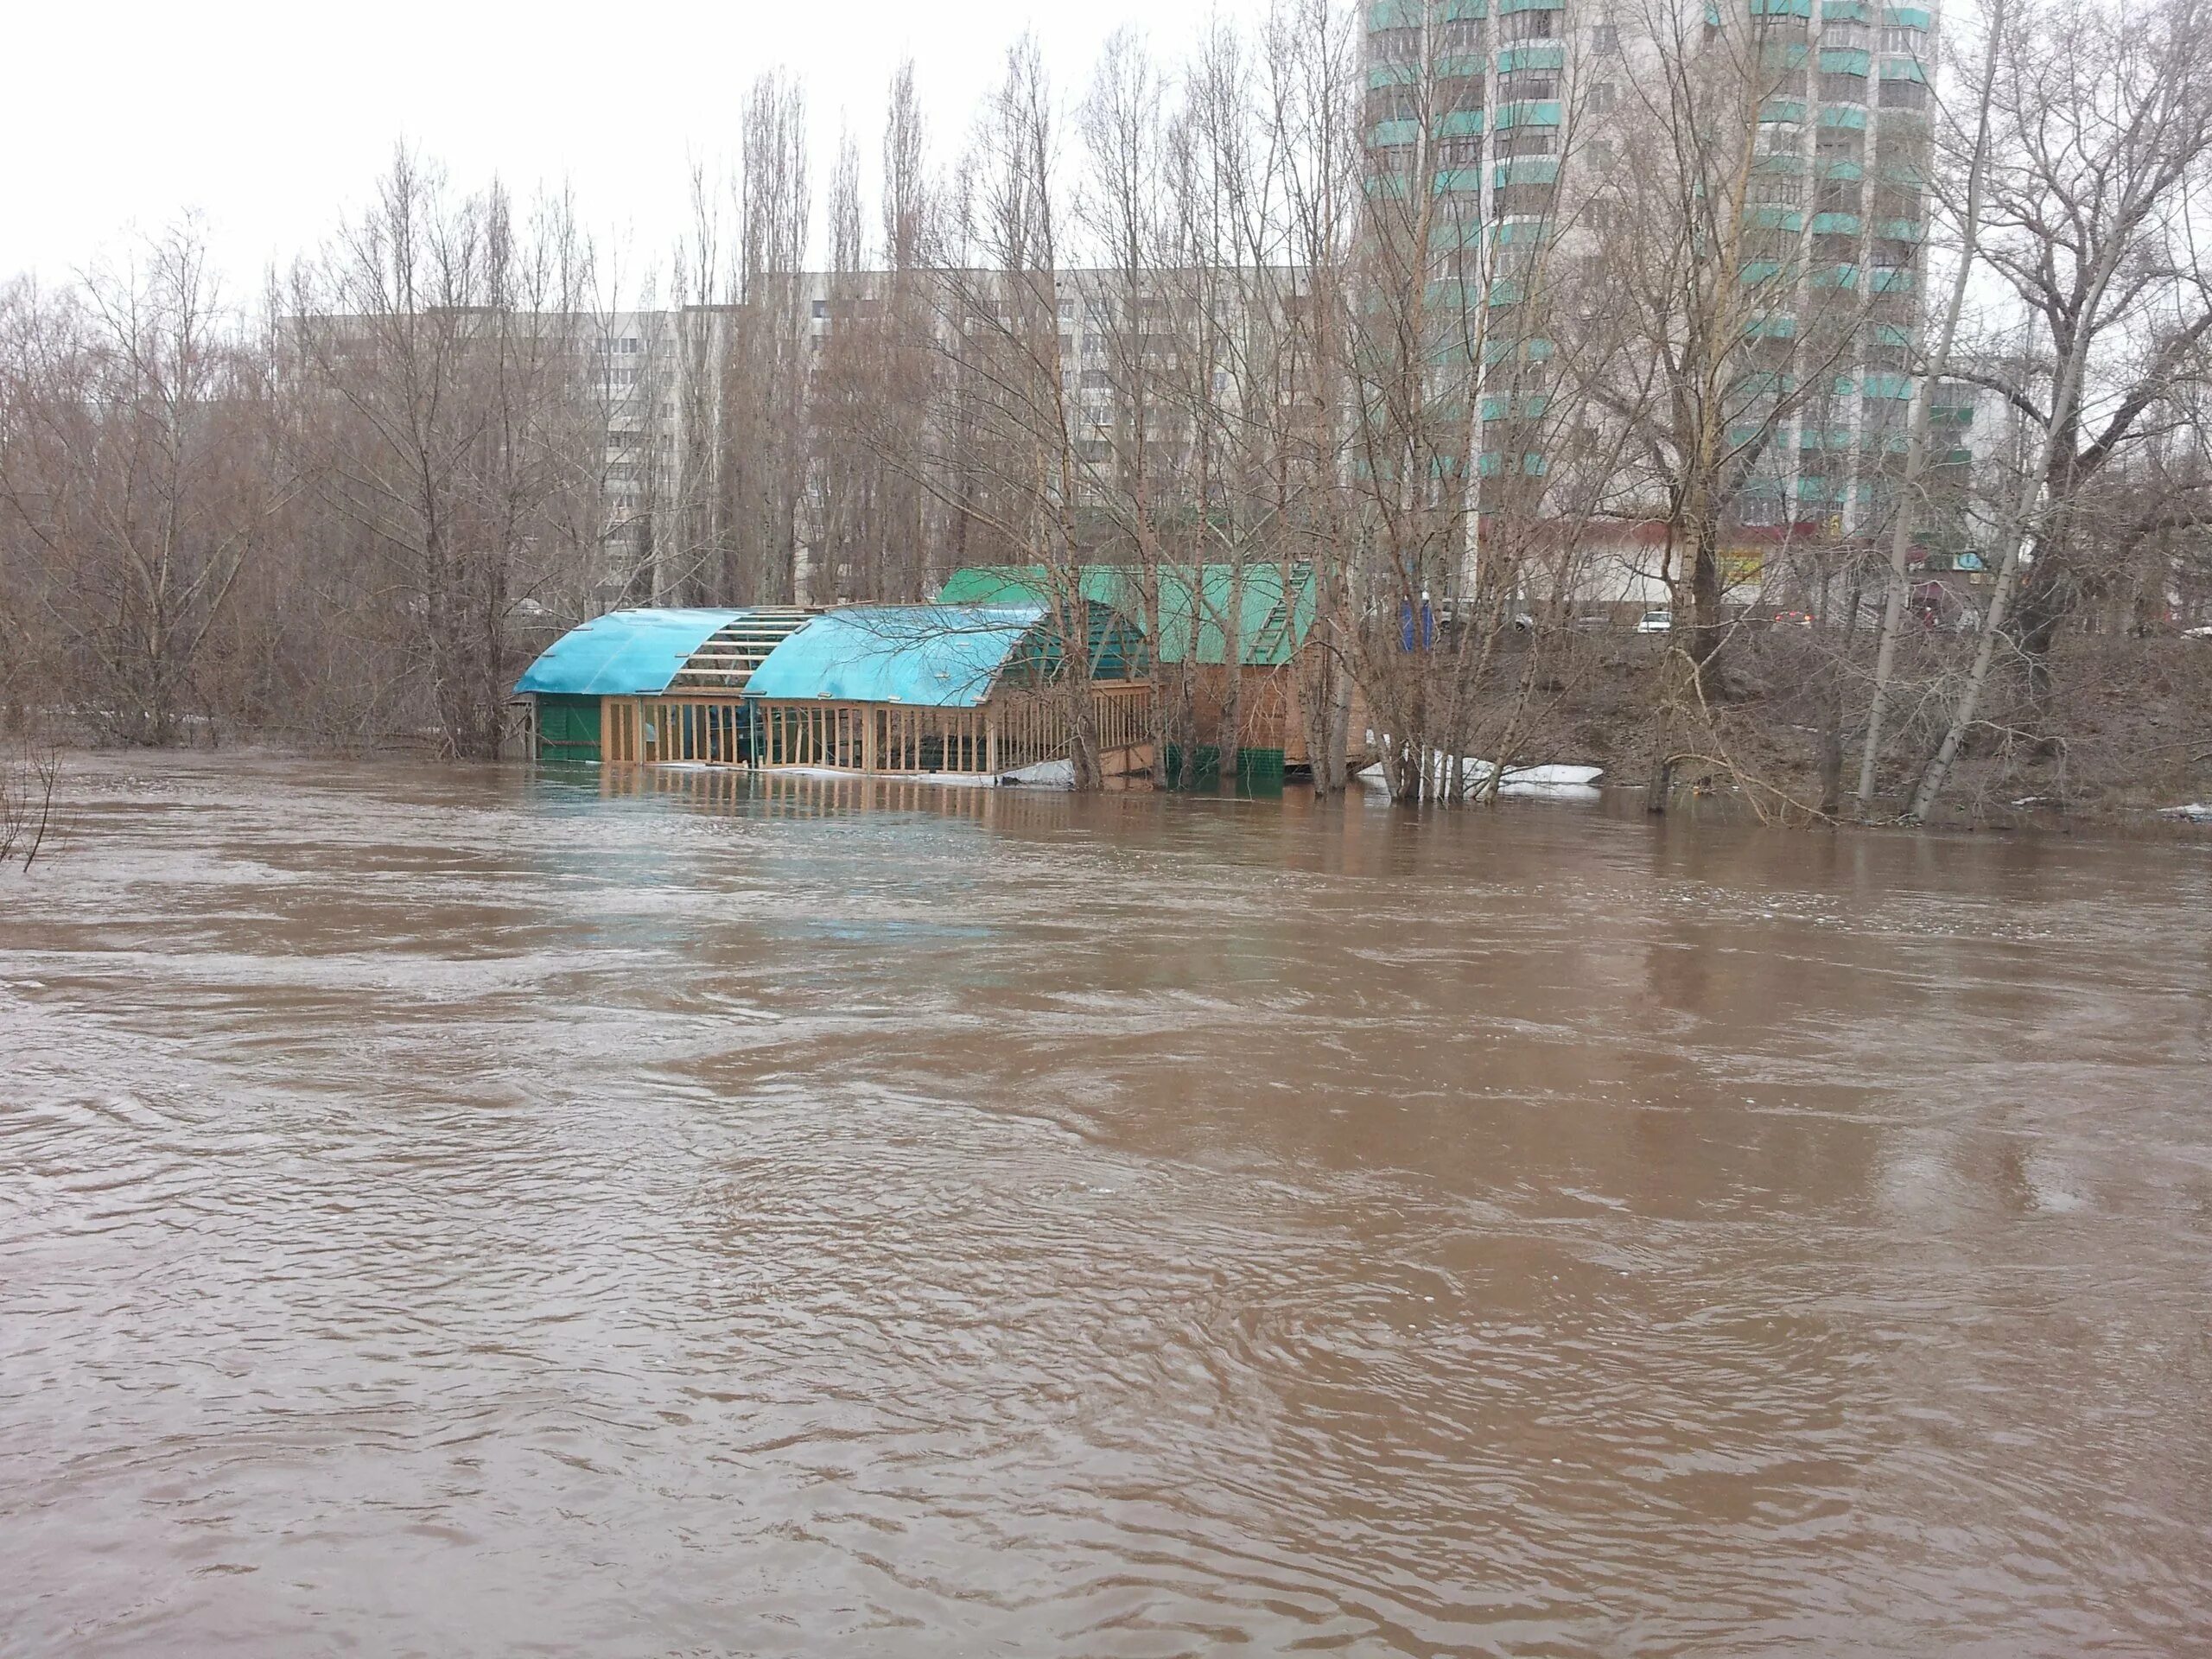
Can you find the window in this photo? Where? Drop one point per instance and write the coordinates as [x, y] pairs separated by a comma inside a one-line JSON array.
[[1889, 355], [1395, 45], [1897, 201], [1837, 196], [1393, 103], [1775, 248], [1605, 38], [1904, 95], [1513, 88], [1601, 96], [1517, 201], [1777, 190], [1458, 152], [1097, 380], [1839, 145], [1909, 41], [1459, 93], [1844, 34], [1528, 141], [1461, 35], [1843, 89], [821, 308], [1599, 152], [1528, 26]]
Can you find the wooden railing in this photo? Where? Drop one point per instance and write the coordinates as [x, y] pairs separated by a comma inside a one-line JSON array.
[[1013, 730], [1123, 715]]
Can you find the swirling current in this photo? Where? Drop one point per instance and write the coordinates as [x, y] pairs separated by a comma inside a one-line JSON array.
[[474, 1210]]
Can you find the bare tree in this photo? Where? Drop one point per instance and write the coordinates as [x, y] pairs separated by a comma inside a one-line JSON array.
[[2101, 135], [137, 476], [439, 354]]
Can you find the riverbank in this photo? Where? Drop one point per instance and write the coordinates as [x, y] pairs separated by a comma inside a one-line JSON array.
[[2128, 734]]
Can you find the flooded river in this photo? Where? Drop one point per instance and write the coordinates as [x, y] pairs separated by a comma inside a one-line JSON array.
[[462, 1211]]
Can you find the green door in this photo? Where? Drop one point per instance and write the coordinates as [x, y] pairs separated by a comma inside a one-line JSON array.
[[568, 728]]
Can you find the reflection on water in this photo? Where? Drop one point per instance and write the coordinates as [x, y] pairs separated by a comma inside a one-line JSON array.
[[474, 1210]]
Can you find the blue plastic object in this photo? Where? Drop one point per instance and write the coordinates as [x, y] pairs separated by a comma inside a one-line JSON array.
[[932, 656], [624, 653]]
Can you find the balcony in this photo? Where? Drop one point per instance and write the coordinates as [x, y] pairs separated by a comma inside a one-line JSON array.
[[1550, 56], [1526, 169], [1532, 112]]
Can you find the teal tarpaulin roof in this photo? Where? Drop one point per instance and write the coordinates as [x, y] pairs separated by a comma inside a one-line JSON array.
[[936, 655], [624, 653]]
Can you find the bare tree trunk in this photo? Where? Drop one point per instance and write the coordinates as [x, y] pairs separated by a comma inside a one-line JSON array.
[[1897, 587]]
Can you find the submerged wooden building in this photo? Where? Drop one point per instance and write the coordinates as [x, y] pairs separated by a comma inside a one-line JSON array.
[[1221, 629], [651, 685], [898, 690]]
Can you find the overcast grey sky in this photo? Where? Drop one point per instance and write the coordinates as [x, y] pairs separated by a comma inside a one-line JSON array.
[[271, 120]]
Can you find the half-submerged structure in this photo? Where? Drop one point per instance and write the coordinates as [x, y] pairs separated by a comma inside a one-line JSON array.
[[981, 691], [651, 685], [1229, 637]]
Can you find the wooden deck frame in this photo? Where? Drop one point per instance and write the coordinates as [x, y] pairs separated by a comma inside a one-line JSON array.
[[1010, 730]]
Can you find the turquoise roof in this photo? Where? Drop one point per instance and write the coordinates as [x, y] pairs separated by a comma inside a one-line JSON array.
[[624, 653], [936, 655]]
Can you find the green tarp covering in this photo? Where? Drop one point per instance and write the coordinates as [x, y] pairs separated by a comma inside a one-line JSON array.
[[1270, 625]]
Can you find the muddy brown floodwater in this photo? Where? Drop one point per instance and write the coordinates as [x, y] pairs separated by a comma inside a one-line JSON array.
[[462, 1211]]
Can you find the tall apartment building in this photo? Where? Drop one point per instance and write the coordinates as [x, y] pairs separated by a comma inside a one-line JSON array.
[[1492, 128]]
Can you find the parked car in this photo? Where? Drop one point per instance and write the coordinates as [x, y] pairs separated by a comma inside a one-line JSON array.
[[1656, 622], [1793, 618], [2198, 633]]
